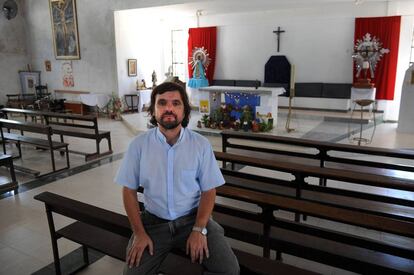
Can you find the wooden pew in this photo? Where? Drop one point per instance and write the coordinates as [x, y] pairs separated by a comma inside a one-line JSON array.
[[45, 142], [318, 153], [26, 113], [80, 126], [387, 206], [109, 232], [73, 125], [333, 247], [314, 242], [6, 160]]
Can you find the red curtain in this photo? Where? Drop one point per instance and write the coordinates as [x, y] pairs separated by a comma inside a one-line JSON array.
[[387, 30], [203, 37]]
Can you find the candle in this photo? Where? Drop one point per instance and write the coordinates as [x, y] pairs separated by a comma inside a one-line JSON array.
[[292, 80]]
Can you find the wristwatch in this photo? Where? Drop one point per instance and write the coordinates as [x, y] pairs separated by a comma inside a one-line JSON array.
[[202, 230]]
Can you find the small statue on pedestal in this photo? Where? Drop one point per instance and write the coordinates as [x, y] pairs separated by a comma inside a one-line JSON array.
[[154, 79]]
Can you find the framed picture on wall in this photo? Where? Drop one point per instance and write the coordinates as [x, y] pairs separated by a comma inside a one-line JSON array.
[[132, 67], [29, 81], [64, 29]]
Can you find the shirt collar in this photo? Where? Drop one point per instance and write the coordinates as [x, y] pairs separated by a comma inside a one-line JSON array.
[[163, 139]]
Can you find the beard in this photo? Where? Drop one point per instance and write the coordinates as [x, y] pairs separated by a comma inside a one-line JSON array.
[[169, 125]]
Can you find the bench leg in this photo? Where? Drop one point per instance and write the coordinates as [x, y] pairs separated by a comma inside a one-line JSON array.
[[97, 146], [109, 143], [85, 255], [52, 156], [4, 146], [67, 157], [19, 146], [278, 256], [53, 236], [12, 172], [61, 140]]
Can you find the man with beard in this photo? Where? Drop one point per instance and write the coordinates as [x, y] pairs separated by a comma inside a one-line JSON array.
[[179, 174]]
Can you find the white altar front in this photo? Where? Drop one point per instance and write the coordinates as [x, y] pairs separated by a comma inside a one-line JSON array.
[[100, 100], [268, 96]]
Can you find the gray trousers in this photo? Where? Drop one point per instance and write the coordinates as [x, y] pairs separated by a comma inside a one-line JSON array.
[[166, 235]]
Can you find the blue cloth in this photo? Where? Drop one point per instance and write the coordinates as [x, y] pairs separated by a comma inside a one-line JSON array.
[[173, 177], [238, 100], [198, 81]]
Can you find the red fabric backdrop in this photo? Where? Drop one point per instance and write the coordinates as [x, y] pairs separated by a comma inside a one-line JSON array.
[[203, 37], [387, 30]]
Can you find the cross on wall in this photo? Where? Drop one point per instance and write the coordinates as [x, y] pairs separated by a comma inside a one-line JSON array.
[[278, 32]]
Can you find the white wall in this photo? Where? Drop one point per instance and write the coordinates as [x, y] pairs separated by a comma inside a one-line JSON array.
[[318, 39], [13, 55], [141, 39], [96, 71]]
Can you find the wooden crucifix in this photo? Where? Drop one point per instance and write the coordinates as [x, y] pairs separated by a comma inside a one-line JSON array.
[[278, 32]]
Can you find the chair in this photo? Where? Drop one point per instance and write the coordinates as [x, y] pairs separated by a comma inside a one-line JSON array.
[[353, 135], [41, 91], [131, 107]]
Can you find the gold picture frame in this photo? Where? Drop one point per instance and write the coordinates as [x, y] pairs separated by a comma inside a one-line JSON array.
[[65, 38], [132, 67]]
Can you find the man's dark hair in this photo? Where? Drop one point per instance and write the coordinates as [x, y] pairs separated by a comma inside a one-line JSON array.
[[170, 87]]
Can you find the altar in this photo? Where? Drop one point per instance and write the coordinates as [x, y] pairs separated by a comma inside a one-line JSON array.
[[214, 96]]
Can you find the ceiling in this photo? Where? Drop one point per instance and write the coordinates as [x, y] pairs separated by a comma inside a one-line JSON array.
[[212, 7]]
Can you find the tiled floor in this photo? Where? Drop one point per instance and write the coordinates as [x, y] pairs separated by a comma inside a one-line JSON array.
[[24, 236]]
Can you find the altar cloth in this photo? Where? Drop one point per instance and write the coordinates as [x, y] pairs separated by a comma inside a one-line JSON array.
[[100, 100]]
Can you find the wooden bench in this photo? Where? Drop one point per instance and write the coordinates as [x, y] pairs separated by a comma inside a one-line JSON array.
[[73, 125], [45, 142], [298, 187], [314, 241], [20, 100], [26, 113], [376, 207], [109, 232], [6, 160], [319, 153], [80, 126]]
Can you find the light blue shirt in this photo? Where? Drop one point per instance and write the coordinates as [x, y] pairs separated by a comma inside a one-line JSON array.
[[173, 177]]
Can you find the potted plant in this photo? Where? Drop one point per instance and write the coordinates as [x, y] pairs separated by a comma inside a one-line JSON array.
[[115, 107]]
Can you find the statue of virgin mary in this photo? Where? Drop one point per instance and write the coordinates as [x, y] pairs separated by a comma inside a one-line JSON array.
[[199, 63]]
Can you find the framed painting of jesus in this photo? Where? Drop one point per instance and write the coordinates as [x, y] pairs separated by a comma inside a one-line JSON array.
[[64, 29]]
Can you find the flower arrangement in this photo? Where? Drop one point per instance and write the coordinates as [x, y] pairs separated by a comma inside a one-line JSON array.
[[115, 107]]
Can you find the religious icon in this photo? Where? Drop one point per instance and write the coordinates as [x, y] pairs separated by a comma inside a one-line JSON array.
[[203, 106], [154, 79], [199, 63], [367, 53], [48, 66], [132, 67], [64, 29], [68, 80]]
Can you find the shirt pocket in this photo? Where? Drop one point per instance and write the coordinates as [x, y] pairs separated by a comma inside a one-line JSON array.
[[189, 181]]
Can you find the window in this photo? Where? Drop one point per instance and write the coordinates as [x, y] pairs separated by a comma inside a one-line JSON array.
[[179, 54]]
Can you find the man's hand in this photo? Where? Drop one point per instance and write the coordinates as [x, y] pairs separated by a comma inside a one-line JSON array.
[[141, 241], [197, 247]]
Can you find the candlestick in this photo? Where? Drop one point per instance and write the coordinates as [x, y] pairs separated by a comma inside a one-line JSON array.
[[292, 80]]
